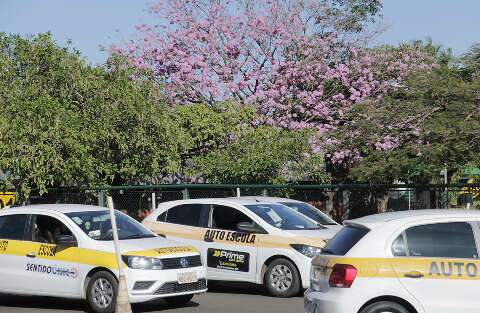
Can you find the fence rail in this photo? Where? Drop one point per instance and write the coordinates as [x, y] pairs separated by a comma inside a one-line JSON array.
[[340, 201]]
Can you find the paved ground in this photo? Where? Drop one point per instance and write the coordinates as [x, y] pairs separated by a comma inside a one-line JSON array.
[[241, 298]]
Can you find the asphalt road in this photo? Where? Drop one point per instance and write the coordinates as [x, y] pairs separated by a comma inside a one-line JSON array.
[[222, 298]]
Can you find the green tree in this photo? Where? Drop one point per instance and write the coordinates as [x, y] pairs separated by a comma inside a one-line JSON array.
[[209, 127], [65, 123], [262, 155], [413, 133]]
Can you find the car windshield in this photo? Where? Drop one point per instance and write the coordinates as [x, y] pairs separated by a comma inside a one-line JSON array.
[[97, 225], [311, 212], [283, 217]]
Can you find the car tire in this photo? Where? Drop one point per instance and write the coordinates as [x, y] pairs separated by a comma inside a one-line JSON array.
[[384, 306], [282, 279], [102, 291], [178, 300]]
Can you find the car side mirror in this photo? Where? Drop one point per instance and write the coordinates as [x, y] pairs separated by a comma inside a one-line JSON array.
[[251, 228], [66, 240]]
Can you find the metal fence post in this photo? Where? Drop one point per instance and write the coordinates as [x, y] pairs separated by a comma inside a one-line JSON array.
[[185, 194], [264, 192], [101, 198], [154, 200]]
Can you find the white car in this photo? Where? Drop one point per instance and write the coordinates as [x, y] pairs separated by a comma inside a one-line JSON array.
[[245, 240], [301, 207], [67, 251], [404, 262]]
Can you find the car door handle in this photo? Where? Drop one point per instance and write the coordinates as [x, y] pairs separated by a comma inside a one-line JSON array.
[[31, 255], [414, 274]]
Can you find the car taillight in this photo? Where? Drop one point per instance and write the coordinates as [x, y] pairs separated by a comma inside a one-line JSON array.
[[342, 276]]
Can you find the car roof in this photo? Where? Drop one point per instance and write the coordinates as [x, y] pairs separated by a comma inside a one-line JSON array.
[[269, 199], [375, 220], [232, 201], [61, 208]]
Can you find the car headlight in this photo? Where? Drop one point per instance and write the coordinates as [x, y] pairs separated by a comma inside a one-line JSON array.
[[142, 263], [308, 251]]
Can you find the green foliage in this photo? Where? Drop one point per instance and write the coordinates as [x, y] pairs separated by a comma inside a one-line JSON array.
[[357, 13], [261, 154], [67, 123], [208, 127], [443, 128], [471, 61]]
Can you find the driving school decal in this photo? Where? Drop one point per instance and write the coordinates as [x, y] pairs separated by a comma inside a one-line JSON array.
[[459, 269], [52, 270], [173, 250], [228, 260], [47, 250], [3, 246], [231, 236]]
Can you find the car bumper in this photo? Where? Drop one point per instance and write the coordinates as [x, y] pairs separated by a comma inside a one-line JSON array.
[[149, 285], [326, 302]]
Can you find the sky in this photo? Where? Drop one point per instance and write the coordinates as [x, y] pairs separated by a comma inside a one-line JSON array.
[[91, 24]]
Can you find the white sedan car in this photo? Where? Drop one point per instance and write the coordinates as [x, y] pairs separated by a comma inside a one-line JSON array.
[[245, 240], [404, 262], [68, 251]]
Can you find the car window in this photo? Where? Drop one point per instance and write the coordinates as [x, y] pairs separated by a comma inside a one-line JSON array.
[[46, 229], [228, 218], [185, 214], [311, 212], [98, 225], [344, 240], [162, 217], [283, 217], [446, 240], [398, 246], [13, 226]]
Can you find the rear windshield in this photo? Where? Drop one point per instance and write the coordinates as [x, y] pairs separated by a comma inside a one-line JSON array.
[[344, 240]]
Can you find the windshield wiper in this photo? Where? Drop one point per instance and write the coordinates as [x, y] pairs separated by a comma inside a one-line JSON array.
[[137, 236]]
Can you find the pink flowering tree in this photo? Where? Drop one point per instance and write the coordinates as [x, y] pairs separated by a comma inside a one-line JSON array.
[[302, 63]]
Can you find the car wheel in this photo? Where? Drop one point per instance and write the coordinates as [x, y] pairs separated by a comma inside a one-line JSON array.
[[178, 300], [102, 291], [282, 279], [384, 306]]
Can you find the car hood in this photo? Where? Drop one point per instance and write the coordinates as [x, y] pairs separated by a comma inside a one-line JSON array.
[[323, 234], [150, 247]]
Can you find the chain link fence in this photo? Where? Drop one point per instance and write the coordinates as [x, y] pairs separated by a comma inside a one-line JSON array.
[[340, 201]]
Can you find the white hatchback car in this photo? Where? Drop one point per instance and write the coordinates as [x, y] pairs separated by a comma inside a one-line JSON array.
[[68, 251], [404, 262], [245, 240]]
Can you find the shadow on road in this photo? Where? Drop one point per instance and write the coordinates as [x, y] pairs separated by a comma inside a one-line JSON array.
[[239, 288], [60, 304]]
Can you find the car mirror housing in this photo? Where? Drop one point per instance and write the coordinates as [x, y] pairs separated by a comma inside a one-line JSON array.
[[252, 228]]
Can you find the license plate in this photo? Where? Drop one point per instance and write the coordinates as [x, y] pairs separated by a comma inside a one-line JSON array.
[[187, 278]]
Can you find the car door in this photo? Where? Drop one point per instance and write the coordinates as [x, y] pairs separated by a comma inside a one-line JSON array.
[[52, 268], [13, 248], [231, 254], [438, 264], [185, 223]]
